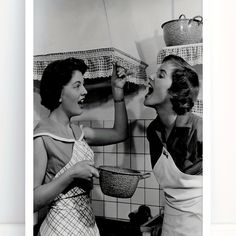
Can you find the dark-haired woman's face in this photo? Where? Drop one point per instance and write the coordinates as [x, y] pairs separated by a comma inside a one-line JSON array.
[[159, 84], [73, 95]]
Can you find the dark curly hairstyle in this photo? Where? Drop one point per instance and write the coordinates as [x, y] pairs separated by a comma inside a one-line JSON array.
[[56, 75], [185, 85]]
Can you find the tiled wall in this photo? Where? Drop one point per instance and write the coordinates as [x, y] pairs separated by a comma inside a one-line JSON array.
[[134, 154]]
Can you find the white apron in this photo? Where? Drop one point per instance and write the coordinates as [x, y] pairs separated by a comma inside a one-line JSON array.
[[70, 213], [183, 198]]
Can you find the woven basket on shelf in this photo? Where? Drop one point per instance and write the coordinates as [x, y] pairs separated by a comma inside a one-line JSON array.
[[183, 31]]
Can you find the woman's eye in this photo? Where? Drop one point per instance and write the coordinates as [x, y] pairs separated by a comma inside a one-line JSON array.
[[77, 85], [161, 76]]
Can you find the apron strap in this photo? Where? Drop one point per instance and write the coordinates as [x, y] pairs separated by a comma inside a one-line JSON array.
[[54, 137]]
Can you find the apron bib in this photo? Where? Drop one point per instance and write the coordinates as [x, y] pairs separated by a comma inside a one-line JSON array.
[[70, 213], [183, 198]]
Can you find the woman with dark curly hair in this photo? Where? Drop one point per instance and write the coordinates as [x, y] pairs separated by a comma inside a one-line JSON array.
[[63, 161], [175, 140]]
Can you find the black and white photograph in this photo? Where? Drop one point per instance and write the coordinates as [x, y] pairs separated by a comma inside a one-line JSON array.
[[118, 117], [107, 109]]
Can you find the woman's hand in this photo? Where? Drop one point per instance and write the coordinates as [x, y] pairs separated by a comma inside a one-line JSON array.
[[118, 78], [84, 170]]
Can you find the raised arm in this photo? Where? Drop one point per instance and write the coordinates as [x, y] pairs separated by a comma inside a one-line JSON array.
[[119, 132]]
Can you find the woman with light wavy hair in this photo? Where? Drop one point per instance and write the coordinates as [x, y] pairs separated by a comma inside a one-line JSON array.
[[175, 139]]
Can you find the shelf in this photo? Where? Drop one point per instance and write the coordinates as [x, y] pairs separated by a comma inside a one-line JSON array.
[[192, 53], [99, 62]]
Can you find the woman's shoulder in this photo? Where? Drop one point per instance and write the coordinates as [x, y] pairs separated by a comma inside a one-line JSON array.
[[47, 127], [51, 128], [44, 125], [196, 120], [197, 124]]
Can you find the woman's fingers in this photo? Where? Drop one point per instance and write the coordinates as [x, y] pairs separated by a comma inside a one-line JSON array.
[[121, 72], [114, 71], [92, 171], [95, 172]]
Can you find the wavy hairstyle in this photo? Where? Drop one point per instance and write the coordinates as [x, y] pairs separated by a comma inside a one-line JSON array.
[[56, 75], [185, 85]]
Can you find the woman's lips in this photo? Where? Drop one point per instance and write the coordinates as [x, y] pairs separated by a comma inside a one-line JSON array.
[[81, 101], [150, 90]]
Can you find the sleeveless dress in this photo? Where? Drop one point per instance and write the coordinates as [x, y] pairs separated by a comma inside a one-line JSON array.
[[70, 213]]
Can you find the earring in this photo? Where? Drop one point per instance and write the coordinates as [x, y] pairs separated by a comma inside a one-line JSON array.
[[60, 100]]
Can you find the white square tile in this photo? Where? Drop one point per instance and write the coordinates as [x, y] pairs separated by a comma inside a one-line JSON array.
[[110, 148], [146, 146], [138, 197], [152, 197], [124, 200], [137, 162], [162, 198], [137, 128], [110, 209], [148, 165], [124, 160], [110, 199], [124, 147], [151, 182], [141, 183], [154, 211], [97, 124], [147, 122], [97, 149], [85, 123], [123, 210], [98, 208], [98, 159], [137, 145], [110, 159], [108, 123], [134, 207], [97, 193]]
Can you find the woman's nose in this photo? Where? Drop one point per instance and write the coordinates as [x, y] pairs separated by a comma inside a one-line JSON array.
[[152, 76], [84, 90]]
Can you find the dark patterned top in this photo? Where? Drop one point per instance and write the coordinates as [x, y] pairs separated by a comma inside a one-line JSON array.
[[184, 142]]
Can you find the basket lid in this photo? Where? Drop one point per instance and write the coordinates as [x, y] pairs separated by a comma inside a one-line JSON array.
[[120, 170]]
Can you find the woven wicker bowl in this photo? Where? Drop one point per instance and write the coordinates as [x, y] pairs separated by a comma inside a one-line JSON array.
[[183, 31], [119, 182]]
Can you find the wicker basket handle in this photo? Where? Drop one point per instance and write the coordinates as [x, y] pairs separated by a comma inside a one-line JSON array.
[[196, 19], [182, 16], [145, 175]]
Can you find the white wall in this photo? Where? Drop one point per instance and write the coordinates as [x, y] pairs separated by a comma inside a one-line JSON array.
[[133, 26]]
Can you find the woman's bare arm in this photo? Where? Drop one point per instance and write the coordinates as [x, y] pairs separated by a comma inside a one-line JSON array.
[[119, 131]]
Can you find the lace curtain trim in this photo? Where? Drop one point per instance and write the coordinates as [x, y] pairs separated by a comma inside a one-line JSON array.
[[99, 62], [192, 53]]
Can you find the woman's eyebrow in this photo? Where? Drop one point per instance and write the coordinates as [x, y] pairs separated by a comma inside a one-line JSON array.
[[162, 71], [77, 82]]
